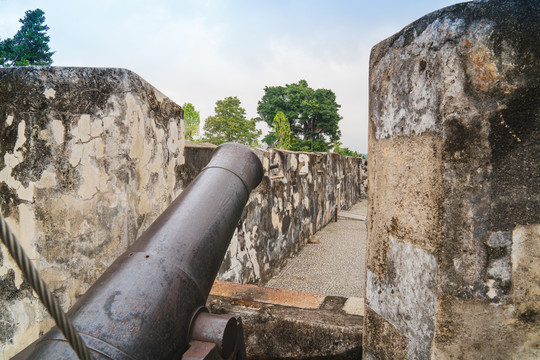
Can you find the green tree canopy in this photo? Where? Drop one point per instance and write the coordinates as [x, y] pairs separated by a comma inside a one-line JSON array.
[[191, 121], [338, 149], [318, 145], [282, 130], [311, 113], [230, 124], [30, 45]]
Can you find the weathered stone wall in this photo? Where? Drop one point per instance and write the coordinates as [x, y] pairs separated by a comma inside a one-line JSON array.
[[292, 202], [454, 186], [88, 159]]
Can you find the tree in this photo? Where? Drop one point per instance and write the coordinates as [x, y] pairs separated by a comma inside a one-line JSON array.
[[192, 121], [282, 130], [317, 145], [230, 124], [313, 114], [30, 45], [338, 149]]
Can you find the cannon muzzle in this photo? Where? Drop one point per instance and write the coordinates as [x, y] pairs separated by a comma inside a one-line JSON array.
[[144, 303]]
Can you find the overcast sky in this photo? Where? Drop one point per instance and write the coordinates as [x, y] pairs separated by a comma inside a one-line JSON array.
[[203, 51]]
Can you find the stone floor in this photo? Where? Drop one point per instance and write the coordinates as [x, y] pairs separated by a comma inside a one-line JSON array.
[[336, 265]]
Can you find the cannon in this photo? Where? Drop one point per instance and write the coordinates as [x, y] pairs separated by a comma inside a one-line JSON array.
[[150, 303]]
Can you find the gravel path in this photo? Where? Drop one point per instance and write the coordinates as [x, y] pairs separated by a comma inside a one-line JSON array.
[[335, 266]]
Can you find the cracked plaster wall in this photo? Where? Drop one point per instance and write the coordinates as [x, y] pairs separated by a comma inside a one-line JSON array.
[[292, 202], [454, 196], [88, 159]]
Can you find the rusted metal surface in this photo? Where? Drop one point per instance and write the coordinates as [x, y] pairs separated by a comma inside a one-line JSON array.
[[143, 304], [199, 350], [216, 335], [221, 330]]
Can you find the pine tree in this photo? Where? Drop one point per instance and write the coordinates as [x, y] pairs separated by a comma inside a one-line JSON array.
[[30, 45]]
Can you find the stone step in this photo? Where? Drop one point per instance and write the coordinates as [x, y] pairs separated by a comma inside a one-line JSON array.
[[350, 216], [280, 323]]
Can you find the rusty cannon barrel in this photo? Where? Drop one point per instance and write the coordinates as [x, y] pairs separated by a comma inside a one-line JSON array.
[[142, 306]]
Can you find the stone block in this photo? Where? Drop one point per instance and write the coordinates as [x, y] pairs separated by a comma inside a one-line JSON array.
[[286, 324]]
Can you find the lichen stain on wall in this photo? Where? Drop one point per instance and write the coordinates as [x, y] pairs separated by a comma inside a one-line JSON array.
[[88, 160]]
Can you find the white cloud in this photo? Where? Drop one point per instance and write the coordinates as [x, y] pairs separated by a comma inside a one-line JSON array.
[[203, 51]]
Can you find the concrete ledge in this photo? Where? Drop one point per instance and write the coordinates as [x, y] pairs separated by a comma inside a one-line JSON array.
[[286, 324], [350, 216]]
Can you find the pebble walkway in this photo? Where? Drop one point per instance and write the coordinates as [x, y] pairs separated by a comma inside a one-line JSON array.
[[336, 265]]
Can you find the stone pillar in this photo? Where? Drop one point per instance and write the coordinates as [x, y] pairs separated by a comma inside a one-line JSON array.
[[453, 268]]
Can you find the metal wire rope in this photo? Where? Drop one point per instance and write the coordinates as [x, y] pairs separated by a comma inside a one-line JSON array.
[[51, 304]]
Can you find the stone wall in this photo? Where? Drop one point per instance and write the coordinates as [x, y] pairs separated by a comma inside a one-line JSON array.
[[292, 202], [88, 159], [454, 196]]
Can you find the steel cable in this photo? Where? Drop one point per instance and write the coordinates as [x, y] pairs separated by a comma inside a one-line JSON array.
[[51, 304]]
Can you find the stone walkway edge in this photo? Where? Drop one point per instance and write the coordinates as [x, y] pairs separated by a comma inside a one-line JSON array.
[[246, 294]]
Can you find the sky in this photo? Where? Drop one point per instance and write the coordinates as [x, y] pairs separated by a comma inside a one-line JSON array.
[[203, 51]]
